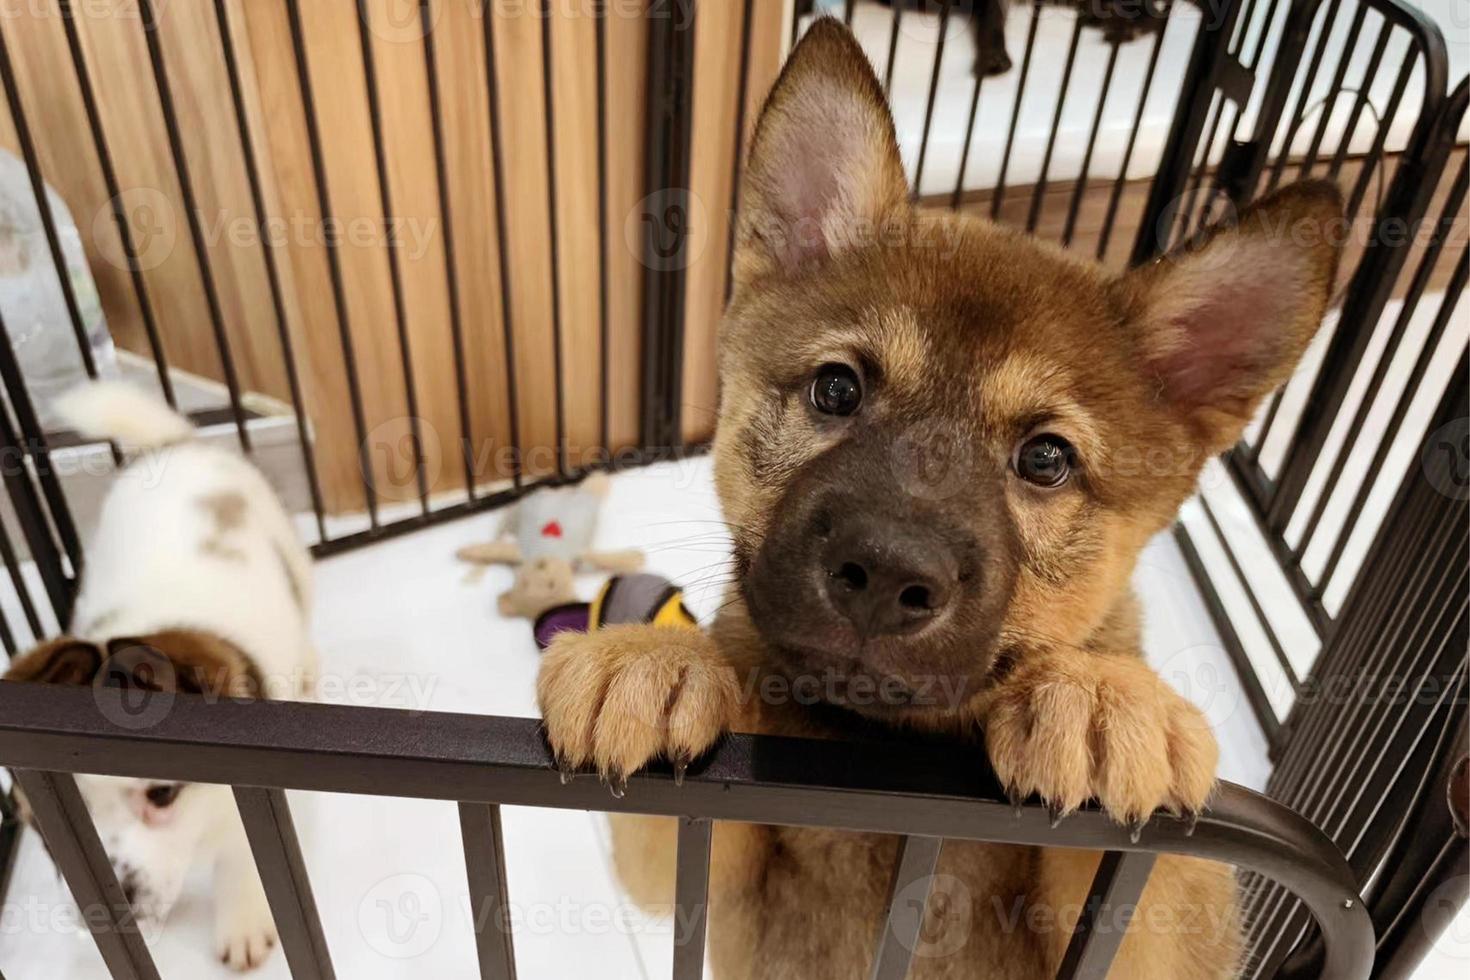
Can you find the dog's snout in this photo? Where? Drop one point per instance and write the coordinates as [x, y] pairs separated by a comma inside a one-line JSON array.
[[886, 579]]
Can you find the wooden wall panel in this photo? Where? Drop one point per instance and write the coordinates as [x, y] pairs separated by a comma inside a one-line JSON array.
[[306, 245], [283, 151], [719, 33], [627, 96], [522, 109], [334, 58], [204, 106], [417, 235], [132, 121], [574, 102], [459, 42], [717, 45]]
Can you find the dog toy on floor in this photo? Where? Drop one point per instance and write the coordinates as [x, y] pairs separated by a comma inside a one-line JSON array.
[[548, 538], [624, 599]]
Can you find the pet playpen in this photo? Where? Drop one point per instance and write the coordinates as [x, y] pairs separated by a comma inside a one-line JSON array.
[[420, 256]]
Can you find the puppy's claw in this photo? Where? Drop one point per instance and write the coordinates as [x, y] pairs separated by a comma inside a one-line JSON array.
[[565, 770], [681, 766], [1135, 828], [1056, 813], [1191, 822], [1017, 801], [618, 786]]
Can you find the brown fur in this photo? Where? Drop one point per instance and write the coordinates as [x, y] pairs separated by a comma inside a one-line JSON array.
[[198, 663], [970, 338]]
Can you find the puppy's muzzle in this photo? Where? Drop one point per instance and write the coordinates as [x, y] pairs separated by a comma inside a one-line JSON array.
[[884, 576]]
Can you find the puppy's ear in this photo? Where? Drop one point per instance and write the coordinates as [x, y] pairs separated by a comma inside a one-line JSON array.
[[64, 660], [183, 661], [1223, 322], [824, 169]]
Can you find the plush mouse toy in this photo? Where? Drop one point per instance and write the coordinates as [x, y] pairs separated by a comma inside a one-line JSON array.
[[548, 537]]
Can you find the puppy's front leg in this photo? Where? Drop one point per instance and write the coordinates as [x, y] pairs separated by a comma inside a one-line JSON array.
[[1075, 726], [244, 929], [622, 696]]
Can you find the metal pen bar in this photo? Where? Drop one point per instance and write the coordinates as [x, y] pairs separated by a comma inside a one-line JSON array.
[[1255, 603], [502, 237], [151, 28], [1039, 191], [19, 395], [890, 787], [1448, 301], [1206, 148], [272, 270], [484, 862], [1278, 166], [737, 165], [1374, 780], [1386, 357], [1371, 606], [604, 330], [998, 194], [1255, 690], [395, 270], [451, 268], [1081, 188], [32, 162], [554, 237], [7, 638], [61, 816], [268, 825], [1329, 102], [17, 582], [29, 510], [1385, 123], [1116, 195], [933, 95], [1370, 73], [1111, 904], [334, 265], [1215, 178], [908, 900], [115, 198], [892, 50], [974, 113], [691, 897]]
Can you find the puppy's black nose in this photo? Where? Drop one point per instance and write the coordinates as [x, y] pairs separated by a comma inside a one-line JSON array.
[[886, 579]]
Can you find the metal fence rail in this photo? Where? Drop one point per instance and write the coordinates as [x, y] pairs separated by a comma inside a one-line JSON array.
[[47, 733], [1302, 457]]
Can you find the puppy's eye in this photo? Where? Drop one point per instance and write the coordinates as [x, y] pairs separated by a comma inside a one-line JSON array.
[[1045, 460], [836, 390], [163, 794]]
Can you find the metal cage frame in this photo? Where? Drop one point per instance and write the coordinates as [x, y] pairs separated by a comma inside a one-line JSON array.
[[264, 749], [482, 763]]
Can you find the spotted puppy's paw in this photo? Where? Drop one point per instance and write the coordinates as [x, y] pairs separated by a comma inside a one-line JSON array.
[[245, 931], [1084, 726], [622, 696]]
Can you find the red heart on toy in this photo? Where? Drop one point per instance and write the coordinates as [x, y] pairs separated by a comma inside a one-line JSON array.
[[551, 530]]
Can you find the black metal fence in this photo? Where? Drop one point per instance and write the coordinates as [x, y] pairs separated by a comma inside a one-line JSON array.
[[483, 763], [1363, 540]]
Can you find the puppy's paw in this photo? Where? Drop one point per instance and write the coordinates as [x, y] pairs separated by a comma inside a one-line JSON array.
[[245, 932], [1076, 727], [621, 696]]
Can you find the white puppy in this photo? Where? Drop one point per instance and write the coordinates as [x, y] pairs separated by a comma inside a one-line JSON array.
[[194, 581]]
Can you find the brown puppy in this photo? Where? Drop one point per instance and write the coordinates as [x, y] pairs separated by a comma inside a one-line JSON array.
[[941, 447]]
